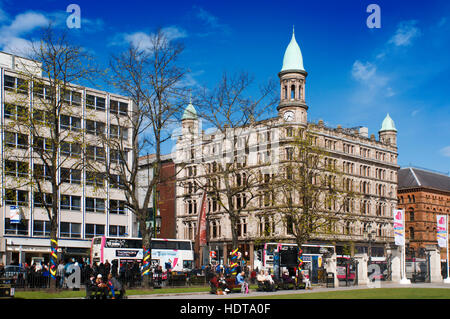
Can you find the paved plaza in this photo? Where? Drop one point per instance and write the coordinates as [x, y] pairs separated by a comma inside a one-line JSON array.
[[257, 294]]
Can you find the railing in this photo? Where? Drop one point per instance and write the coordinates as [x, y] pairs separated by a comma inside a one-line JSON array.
[[131, 280]]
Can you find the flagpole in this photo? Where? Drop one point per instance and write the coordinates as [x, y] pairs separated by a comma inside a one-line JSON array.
[[446, 280], [404, 280]]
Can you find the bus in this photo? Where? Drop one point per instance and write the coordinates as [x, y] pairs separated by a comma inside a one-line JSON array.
[[179, 253], [310, 252]]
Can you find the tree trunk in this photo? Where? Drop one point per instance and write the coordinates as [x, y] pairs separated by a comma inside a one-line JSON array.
[[147, 273], [53, 264]]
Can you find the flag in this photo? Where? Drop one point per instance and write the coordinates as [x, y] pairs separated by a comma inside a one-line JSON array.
[[202, 222], [442, 230], [399, 227]]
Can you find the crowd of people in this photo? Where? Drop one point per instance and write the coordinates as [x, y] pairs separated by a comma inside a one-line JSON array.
[[265, 280], [37, 275]]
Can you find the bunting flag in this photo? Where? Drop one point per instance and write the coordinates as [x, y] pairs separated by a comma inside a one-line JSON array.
[[53, 258], [399, 227], [442, 230]]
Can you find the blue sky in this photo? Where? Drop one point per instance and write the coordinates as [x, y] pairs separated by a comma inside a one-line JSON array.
[[355, 74]]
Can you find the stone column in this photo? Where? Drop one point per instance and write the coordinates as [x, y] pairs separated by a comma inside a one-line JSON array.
[[396, 265], [362, 260], [330, 267], [435, 263]]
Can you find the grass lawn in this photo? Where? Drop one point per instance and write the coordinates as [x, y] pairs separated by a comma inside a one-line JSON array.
[[374, 293], [82, 293]]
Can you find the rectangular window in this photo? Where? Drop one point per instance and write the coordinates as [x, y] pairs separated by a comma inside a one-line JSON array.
[[95, 179], [17, 169], [41, 172], [16, 197], [40, 199], [95, 128], [15, 84], [118, 157], [118, 231], [16, 112], [72, 176], [70, 230], [95, 205], [95, 102], [117, 207], [41, 228], [95, 153], [9, 83], [116, 181], [20, 229], [69, 202], [71, 149], [120, 108], [71, 123], [92, 230], [16, 140]]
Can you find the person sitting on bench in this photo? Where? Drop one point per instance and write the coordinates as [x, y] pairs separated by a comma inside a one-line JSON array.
[[268, 282], [260, 278], [114, 285], [287, 279], [91, 287]]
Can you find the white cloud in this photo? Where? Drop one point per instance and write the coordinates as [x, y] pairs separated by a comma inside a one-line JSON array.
[[405, 33], [11, 35], [363, 71], [143, 40], [211, 22], [445, 151]]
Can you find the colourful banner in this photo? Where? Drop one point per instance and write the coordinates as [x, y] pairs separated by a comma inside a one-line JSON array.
[[399, 227], [202, 222], [442, 230]]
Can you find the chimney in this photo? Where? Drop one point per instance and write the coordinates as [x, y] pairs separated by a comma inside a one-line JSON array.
[[364, 131]]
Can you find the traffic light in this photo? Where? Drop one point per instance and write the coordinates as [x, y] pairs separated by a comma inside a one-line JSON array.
[[259, 255]]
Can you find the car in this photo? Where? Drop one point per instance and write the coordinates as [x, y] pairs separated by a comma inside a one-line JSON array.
[[15, 272]]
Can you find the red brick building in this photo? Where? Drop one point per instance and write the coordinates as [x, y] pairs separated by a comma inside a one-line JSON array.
[[423, 195], [165, 192]]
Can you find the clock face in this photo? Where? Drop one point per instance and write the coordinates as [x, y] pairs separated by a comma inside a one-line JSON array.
[[289, 116]]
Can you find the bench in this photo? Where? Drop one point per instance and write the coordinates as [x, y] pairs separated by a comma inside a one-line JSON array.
[[231, 285]]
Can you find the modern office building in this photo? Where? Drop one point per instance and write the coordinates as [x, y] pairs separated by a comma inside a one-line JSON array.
[[90, 203]]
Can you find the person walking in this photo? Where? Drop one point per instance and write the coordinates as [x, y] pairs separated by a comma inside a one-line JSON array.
[[240, 280], [60, 274]]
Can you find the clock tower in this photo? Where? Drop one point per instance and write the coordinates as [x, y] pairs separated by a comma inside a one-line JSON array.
[[292, 106]]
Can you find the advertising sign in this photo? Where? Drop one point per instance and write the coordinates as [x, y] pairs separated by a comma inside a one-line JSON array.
[[14, 214], [442, 230], [399, 227]]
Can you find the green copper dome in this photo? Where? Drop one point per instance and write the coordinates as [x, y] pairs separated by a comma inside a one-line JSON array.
[[190, 113], [388, 124], [293, 59]]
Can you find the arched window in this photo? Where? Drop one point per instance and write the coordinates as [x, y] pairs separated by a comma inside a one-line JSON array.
[[411, 214], [292, 92]]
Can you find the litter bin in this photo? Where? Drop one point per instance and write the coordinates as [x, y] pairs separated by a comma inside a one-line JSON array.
[[330, 280]]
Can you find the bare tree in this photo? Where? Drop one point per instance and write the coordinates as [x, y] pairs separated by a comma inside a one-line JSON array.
[[151, 77], [44, 112], [311, 193]]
